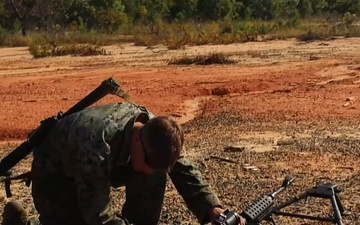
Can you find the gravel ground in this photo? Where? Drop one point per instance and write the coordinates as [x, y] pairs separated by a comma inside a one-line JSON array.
[[256, 166], [310, 159]]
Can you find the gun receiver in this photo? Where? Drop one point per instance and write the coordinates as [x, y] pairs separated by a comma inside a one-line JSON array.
[[258, 210], [108, 86]]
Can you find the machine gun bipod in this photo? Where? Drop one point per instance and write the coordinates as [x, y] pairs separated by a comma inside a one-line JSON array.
[[323, 190]]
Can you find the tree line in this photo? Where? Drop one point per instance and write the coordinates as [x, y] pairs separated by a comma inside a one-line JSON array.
[[113, 15]]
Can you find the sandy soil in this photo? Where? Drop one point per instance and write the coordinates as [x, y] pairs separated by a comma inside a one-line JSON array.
[[292, 107]]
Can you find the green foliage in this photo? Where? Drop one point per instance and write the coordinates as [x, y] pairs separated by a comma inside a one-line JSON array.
[[344, 6], [3, 34], [219, 9], [111, 21], [174, 23], [259, 9], [17, 26], [113, 15], [3, 14], [258, 27], [318, 6], [305, 8], [181, 10], [286, 9]]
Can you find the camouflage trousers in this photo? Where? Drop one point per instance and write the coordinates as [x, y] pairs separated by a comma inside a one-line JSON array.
[[55, 199]]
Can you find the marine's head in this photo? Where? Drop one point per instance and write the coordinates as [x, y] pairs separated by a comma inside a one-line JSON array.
[[157, 145]]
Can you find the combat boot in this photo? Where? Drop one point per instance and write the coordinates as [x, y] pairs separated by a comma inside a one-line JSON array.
[[14, 214]]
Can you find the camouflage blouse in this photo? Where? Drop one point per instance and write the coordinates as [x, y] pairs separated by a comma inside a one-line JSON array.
[[87, 145]]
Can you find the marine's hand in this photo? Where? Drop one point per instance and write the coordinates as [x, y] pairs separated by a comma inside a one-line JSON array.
[[217, 211], [242, 221]]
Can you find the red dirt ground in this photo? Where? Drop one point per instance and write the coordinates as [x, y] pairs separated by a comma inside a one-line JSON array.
[[287, 84]]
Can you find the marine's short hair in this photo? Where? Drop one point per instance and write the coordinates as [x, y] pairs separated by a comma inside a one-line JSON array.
[[165, 139]]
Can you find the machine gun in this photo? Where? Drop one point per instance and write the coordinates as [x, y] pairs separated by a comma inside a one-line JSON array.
[[264, 208], [108, 86]]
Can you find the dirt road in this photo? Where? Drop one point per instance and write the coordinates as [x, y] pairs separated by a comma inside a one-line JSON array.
[[293, 107]]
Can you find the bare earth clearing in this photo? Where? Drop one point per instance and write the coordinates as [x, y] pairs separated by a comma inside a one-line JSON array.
[[293, 107]]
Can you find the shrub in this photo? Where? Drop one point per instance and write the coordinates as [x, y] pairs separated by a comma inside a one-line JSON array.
[[44, 50], [214, 58], [310, 36]]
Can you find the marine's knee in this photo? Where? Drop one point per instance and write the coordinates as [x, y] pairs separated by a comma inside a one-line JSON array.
[[14, 214]]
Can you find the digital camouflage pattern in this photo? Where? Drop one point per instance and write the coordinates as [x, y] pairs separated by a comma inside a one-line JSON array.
[[87, 153]]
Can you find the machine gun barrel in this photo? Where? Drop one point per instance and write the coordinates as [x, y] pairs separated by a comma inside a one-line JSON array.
[[108, 86], [286, 183]]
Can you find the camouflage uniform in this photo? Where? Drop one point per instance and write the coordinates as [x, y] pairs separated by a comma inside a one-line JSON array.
[[87, 153]]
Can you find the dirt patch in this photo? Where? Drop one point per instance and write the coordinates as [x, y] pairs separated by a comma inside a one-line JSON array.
[[292, 106]]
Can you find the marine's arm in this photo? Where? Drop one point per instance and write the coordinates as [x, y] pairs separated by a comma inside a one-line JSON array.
[[195, 192]]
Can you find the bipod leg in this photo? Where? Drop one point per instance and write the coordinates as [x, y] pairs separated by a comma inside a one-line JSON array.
[[331, 191], [293, 200], [338, 202], [337, 213], [324, 190], [272, 220]]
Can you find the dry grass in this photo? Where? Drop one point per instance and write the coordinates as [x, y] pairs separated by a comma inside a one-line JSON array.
[[45, 50], [178, 35], [213, 58]]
